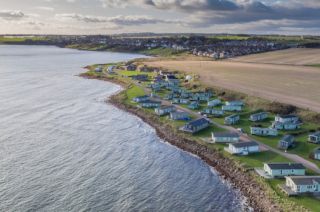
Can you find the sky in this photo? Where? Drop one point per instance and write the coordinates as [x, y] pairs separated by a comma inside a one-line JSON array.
[[298, 17]]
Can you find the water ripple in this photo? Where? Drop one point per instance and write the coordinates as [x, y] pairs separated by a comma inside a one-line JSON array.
[[64, 149]]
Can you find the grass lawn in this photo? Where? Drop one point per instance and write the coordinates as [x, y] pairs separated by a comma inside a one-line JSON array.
[[134, 73], [308, 202], [206, 133], [132, 92], [257, 160]]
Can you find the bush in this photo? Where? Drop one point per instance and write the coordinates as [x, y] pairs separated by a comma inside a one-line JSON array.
[[282, 109]]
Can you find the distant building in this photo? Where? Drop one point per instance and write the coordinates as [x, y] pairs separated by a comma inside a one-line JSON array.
[[225, 137], [150, 104], [193, 105], [164, 110], [232, 108], [98, 69], [235, 103], [243, 148], [286, 118], [172, 79], [259, 116], [131, 67], [302, 184], [314, 138], [180, 101], [214, 102], [286, 142], [201, 96], [196, 125], [316, 154], [180, 116], [288, 122], [189, 77], [111, 69], [140, 77], [145, 68], [139, 99], [231, 120], [284, 169], [213, 112], [263, 131]]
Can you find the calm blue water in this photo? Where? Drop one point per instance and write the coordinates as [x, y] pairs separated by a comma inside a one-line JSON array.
[[62, 148]]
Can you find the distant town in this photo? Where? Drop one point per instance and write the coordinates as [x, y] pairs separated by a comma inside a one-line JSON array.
[[211, 46]]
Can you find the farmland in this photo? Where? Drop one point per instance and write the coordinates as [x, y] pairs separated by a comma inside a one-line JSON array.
[[296, 85], [300, 56]]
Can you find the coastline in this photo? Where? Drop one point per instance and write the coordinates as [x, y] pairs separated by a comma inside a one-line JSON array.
[[239, 178]]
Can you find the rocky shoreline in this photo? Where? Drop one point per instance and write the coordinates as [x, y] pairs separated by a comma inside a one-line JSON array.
[[239, 178]]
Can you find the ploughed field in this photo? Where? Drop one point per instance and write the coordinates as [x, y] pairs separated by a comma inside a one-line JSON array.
[[294, 56], [296, 85]]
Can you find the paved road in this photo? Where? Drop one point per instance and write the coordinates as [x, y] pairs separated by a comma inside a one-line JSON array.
[[244, 137]]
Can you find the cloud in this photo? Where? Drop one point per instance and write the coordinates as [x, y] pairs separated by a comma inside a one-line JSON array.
[[185, 5], [11, 14], [45, 8], [118, 20], [206, 12]]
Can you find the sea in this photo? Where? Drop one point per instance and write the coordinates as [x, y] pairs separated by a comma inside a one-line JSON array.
[[63, 148]]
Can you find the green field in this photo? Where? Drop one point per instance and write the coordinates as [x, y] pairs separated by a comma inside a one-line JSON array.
[[162, 52], [316, 65], [230, 37], [4, 39]]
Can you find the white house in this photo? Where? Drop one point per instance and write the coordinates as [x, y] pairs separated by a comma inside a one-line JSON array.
[[231, 120], [214, 102], [98, 69], [263, 131], [286, 142], [182, 116], [314, 137], [214, 112], [243, 148], [111, 69], [232, 108], [287, 122], [225, 137], [316, 154], [196, 125], [150, 104], [284, 169], [303, 184], [286, 118], [259, 116], [235, 103], [164, 110], [139, 99]]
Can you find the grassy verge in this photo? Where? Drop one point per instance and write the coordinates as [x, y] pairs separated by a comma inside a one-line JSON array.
[[316, 65], [9, 39]]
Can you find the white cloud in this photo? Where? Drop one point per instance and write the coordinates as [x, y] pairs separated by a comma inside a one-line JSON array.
[[44, 8], [118, 20], [11, 14]]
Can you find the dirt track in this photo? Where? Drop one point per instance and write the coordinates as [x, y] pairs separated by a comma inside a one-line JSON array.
[[296, 85]]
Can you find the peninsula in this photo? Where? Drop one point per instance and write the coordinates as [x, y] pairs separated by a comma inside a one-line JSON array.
[[239, 135]]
